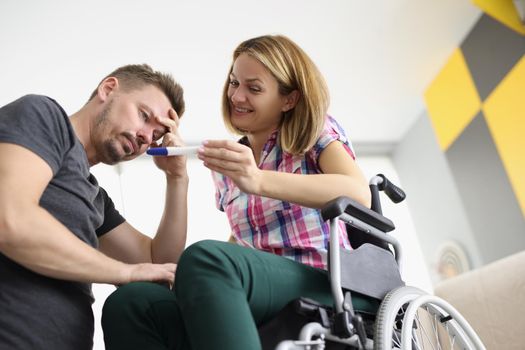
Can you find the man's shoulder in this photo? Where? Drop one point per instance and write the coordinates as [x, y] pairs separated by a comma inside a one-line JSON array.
[[40, 109], [34, 98], [38, 101], [33, 117], [33, 104]]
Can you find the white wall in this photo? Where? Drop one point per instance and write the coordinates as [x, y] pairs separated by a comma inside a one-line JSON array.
[[377, 56], [137, 188]]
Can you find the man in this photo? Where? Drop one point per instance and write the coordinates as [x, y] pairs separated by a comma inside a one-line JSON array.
[[59, 231]]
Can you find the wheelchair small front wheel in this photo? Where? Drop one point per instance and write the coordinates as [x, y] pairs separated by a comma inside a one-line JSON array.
[[409, 318]]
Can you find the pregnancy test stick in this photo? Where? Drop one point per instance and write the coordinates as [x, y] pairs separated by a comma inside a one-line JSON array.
[[173, 151]]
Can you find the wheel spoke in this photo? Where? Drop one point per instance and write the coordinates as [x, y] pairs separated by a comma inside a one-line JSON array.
[[422, 330], [395, 338]]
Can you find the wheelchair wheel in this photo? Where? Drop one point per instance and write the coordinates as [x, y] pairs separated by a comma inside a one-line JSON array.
[[409, 318]]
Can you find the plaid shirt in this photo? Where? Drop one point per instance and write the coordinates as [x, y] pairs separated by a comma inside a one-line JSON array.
[[276, 226]]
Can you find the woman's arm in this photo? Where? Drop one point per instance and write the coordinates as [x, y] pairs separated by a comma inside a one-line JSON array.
[[341, 175]]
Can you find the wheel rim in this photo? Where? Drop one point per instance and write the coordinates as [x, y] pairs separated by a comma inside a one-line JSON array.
[[435, 324]]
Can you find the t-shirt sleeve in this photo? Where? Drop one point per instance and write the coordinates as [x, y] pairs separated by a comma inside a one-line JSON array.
[[112, 217], [39, 124], [332, 131]]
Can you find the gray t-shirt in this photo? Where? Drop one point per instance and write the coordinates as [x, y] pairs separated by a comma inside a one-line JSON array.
[[37, 312]]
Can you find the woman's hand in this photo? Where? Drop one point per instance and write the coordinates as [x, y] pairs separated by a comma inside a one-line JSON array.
[[233, 160], [173, 166]]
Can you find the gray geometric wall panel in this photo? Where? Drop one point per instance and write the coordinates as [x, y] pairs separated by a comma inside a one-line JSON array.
[[491, 206], [491, 50]]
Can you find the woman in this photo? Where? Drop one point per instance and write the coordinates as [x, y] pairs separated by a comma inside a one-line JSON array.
[[292, 159]]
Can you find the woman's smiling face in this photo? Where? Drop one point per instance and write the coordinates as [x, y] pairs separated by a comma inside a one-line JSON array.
[[256, 106]]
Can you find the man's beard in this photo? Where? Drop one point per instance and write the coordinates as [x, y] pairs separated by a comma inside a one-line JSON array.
[[107, 150]]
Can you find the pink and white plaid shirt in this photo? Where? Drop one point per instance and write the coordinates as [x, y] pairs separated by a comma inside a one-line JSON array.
[[279, 227]]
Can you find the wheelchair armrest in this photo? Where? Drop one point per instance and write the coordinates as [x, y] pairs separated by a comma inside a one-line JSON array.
[[343, 204]]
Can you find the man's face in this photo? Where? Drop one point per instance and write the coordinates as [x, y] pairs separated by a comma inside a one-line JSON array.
[[126, 126]]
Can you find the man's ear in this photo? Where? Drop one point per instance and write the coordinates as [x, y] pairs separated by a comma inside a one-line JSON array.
[[290, 101], [106, 87]]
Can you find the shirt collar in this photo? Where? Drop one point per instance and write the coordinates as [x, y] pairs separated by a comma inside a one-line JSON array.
[[270, 142]]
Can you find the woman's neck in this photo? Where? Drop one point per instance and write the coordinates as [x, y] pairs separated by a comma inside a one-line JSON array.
[[257, 142]]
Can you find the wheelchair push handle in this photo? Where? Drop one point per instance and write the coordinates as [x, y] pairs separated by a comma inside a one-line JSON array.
[[393, 192], [381, 183]]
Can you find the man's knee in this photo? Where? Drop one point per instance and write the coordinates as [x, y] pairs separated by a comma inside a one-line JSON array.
[[142, 315], [131, 299]]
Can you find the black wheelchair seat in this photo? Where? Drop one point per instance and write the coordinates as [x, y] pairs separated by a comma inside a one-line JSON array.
[[369, 270]]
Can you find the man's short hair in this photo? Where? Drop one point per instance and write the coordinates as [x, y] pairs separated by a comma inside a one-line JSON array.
[[136, 76]]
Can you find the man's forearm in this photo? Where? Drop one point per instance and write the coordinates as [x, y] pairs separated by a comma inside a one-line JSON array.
[[169, 242], [39, 242]]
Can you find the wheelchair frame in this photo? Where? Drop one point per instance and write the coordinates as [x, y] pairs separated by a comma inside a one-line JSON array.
[[346, 326]]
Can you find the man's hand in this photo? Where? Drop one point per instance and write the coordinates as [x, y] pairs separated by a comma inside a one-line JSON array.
[[173, 166], [150, 273]]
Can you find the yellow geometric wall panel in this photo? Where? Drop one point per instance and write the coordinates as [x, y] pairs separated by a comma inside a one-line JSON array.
[[504, 11], [477, 108], [504, 111], [452, 100]]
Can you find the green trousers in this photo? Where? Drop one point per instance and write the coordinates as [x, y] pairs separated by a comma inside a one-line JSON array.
[[222, 293]]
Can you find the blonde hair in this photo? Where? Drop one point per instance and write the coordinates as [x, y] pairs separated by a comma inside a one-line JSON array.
[[293, 70]]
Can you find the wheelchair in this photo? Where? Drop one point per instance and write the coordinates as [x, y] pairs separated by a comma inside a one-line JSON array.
[[373, 308]]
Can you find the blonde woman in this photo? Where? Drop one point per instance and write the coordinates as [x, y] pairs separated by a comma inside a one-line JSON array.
[[290, 161]]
